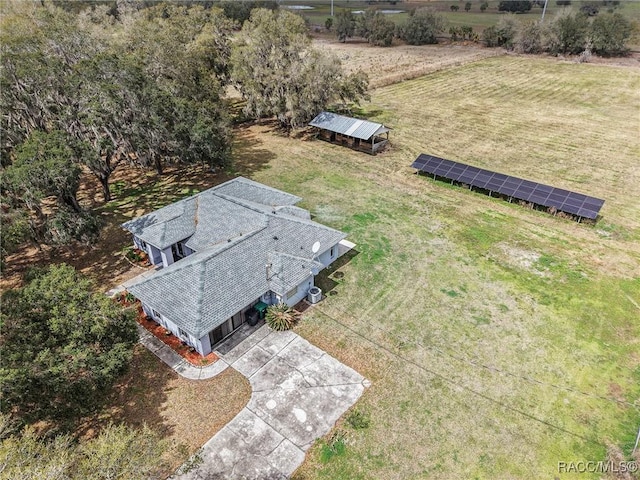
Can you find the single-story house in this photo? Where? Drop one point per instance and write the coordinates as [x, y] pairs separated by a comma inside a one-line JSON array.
[[351, 132], [223, 251]]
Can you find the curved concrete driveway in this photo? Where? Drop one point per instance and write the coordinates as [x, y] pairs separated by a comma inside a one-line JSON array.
[[299, 392]]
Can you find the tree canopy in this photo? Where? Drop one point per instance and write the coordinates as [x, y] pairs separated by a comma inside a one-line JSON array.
[[515, 6], [117, 452], [134, 97], [344, 25], [62, 346], [46, 166], [422, 27], [98, 89], [279, 73], [609, 34]]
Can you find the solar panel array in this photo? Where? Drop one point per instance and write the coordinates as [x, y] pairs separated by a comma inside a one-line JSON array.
[[518, 188]]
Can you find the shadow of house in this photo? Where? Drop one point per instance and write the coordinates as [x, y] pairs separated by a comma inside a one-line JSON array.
[[329, 278]]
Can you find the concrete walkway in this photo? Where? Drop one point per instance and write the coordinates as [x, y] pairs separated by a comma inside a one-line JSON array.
[[175, 361], [299, 392]]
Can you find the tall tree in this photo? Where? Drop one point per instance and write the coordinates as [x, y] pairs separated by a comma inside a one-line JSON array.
[[279, 73], [345, 24], [185, 54], [62, 346], [610, 33], [45, 166], [133, 97], [422, 27], [568, 33], [382, 30], [39, 46]]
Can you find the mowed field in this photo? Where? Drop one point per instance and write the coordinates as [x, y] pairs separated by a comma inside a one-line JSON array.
[[499, 340]]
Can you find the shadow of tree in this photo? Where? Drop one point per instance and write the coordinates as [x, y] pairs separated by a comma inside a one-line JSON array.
[[249, 155], [135, 192], [136, 398]]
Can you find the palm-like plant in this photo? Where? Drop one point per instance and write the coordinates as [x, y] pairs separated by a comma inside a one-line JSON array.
[[281, 317]]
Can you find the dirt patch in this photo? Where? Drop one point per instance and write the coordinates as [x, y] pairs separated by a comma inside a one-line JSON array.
[[519, 257], [386, 66]]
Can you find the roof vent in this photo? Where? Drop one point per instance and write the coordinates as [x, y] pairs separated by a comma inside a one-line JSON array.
[[275, 238]]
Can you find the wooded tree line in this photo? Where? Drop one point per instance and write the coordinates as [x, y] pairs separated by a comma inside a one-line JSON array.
[[103, 87], [569, 31]]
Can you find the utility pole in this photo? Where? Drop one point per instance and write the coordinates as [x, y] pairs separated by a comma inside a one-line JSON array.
[[332, 8], [544, 10]]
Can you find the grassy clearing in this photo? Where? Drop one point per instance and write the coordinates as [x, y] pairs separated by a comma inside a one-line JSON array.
[[478, 321]]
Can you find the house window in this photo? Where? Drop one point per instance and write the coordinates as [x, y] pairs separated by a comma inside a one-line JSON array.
[[155, 314], [178, 251], [183, 334], [292, 293], [143, 244], [333, 251]]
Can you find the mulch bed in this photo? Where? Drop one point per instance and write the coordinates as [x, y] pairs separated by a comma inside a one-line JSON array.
[[187, 352]]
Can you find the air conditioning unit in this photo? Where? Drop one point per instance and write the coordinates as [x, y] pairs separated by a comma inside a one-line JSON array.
[[314, 295]]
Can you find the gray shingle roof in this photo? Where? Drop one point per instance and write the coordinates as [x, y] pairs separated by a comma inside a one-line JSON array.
[[246, 189], [352, 127], [207, 216], [203, 290]]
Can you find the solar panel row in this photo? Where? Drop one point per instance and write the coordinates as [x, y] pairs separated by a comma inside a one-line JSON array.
[[545, 195]]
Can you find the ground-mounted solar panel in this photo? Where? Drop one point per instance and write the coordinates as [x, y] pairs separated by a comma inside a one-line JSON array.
[[513, 187]]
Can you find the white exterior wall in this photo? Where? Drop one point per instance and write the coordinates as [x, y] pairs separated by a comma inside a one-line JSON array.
[[204, 346], [329, 256], [154, 253], [167, 257], [172, 327], [187, 251], [303, 289]]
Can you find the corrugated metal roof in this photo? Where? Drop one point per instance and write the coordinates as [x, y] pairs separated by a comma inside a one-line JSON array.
[[352, 127]]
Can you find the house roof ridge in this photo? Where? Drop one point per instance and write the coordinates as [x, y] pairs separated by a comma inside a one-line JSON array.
[[242, 202], [200, 299], [310, 222]]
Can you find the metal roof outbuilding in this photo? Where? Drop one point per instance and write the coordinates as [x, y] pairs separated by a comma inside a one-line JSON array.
[[351, 127]]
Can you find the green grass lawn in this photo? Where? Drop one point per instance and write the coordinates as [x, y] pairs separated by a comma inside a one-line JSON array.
[[499, 340]]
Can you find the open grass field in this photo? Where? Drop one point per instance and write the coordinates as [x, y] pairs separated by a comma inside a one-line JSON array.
[[499, 340], [385, 66]]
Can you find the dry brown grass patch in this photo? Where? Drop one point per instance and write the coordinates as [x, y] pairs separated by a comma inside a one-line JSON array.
[[186, 413]]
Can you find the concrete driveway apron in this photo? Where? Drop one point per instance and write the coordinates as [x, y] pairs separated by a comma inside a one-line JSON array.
[[299, 392]]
